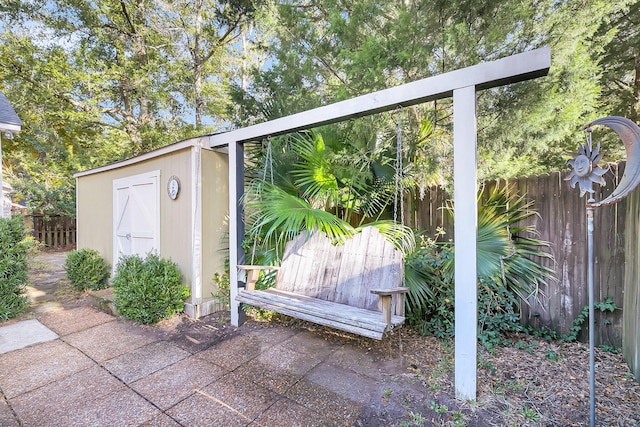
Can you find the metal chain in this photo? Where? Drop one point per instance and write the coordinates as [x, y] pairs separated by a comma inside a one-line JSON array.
[[397, 196], [268, 165]]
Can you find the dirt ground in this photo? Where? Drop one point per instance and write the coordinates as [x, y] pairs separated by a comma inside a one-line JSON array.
[[531, 382]]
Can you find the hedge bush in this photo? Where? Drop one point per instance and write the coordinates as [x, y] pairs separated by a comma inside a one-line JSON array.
[[86, 269], [148, 290], [13, 267]]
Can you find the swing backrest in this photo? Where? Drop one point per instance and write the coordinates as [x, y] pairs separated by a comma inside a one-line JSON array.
[[344, 274]]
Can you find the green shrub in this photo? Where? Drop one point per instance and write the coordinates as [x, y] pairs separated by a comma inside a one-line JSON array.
[[148, 290], [509, 272], [86, 269], [13, 267]]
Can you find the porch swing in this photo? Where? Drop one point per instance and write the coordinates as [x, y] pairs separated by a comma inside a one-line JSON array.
[[356, 287]]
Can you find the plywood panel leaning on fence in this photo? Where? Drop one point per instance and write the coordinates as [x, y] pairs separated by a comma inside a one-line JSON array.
[[355, 287]]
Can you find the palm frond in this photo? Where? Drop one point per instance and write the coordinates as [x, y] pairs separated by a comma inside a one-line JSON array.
[[282, 216]]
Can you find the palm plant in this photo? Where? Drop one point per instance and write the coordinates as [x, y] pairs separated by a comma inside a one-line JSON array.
[[505, 252]]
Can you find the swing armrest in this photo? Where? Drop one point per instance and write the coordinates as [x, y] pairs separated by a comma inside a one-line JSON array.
[[253, 272], [385, 301], [390, 291]]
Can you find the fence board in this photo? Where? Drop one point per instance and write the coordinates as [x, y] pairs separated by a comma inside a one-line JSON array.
[[54, 231], [631, 319], [561, 220]]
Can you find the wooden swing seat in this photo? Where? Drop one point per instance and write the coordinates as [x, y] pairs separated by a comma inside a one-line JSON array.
[[355, 287]]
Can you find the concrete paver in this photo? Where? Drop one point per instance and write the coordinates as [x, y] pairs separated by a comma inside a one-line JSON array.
[[278, 368], [176, 382], [121, 408], [66, 322], [109, 340], [7, 418], [23, 334], [244, 397], [286, 412], [144, 361], [58, 400], [324, 401], [202, 410], [32, 367]]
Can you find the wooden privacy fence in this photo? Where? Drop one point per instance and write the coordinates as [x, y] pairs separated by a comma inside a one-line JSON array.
[[54, 231], [561, 220]]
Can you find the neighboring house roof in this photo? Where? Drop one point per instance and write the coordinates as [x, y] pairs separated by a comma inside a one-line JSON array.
[[9, 120]]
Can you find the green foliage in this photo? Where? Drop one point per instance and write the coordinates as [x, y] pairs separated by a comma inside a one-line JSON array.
[[604, 306], [95, 82], [620, 56], [507, 274], [86, 269], [283, 216], [223, 294], [14, 248], [430, 309], [506, 251], [148, 290]]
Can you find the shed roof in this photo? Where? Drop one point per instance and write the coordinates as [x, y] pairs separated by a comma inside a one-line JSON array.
[[200, 142], [9, 120]]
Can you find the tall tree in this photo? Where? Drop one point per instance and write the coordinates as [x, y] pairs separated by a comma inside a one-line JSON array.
[[621, 60], [326, 51], [99, 80]]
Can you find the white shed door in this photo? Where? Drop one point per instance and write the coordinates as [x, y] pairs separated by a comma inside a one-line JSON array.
[[136, 215]]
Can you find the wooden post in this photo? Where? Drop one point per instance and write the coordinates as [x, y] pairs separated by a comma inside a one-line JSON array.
[[465, 237], [236, 228]]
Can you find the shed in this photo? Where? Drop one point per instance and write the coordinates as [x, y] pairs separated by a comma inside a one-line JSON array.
[[173, 201]]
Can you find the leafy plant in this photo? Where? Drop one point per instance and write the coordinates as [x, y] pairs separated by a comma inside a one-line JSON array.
[[223, 294], [417, 419], [14, 247], [282, 216], [604, 306], [148, 290], [505, 253], [86, 269], [529, 413], [437, 408], [507, 273]]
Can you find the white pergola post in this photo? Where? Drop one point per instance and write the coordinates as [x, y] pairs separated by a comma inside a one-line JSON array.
[[236, 227], [462, 85], [465, 223]]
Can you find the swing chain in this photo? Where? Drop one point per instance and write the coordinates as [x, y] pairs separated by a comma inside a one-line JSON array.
[[268, 165], [399, 190]]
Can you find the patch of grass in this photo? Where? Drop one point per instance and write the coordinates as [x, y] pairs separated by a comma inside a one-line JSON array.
[[529, 413], [416, 419], [438, 409]]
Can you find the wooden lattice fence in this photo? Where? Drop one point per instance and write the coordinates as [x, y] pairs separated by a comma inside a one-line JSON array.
[[54, 231]]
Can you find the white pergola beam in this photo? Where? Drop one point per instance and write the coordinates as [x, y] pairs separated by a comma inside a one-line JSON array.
[[512, 69]]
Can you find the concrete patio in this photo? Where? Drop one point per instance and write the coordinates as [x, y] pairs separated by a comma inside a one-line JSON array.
[[105, 371]]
